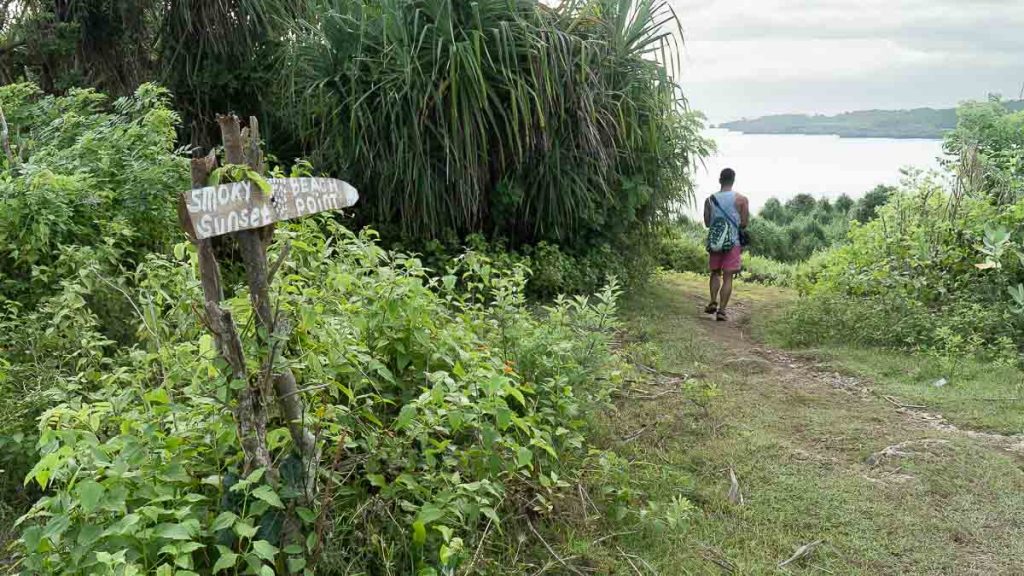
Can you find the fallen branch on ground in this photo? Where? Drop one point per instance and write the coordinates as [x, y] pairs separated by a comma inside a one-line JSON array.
[[800, 553], [898, 404], [552, 550], [631, 565], [637, 434]]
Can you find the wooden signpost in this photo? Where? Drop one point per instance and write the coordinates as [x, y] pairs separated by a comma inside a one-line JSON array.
[[235, 206], [245, 209]]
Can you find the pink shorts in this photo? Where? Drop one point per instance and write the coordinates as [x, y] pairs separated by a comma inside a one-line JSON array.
[[729, 261]]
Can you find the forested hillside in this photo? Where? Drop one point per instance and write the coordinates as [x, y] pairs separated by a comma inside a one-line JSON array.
[[916, 123]]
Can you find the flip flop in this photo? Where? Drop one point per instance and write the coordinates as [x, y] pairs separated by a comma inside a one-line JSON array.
[[711, 308], [721, 316]]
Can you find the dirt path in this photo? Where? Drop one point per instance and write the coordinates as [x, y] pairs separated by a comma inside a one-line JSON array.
[[809, 374], [865, 483]]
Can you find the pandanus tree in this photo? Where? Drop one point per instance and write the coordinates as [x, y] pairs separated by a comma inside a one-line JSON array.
[[508, 117]]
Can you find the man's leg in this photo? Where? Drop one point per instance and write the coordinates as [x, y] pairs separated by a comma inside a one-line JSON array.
[[716, 284], [726, 289]]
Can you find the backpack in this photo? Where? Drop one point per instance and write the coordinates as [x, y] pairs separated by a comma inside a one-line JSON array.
[[720, 233]]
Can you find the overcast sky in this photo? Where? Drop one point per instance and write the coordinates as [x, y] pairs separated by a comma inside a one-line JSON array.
[[746, 58]]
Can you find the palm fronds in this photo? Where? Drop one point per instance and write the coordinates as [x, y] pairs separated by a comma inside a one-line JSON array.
[[503, 116]]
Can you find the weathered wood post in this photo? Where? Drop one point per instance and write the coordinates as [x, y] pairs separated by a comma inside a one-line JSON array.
[[247, 213]]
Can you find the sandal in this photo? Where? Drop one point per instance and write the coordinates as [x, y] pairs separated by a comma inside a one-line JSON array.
[[721, 316], [711, 308]]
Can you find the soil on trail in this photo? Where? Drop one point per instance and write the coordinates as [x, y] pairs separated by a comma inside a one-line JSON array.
[[806, 374], [844, 478]]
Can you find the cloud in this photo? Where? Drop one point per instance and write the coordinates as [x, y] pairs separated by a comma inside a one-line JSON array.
[[835, 48]]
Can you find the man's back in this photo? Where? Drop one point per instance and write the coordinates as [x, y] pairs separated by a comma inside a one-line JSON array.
[[734, 207], [732, 203]]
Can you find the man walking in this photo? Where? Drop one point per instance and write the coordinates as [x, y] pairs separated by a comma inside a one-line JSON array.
[[726, 213]]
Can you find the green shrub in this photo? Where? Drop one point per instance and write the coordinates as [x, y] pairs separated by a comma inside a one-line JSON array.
[[681, 253], [90, 195], [445, 402], [681, 249], [553, 270], [909, 280], [441, 399], [767, 271]]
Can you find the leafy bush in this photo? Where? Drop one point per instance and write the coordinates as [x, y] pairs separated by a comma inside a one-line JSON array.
[[552, 270], [794, 231], [681, 252], [909, 279], [681, 249], [442, 401], [445, 403], [89, 194], [767, 271]]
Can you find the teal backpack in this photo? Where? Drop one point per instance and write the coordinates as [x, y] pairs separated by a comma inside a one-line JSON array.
[[720, 234]]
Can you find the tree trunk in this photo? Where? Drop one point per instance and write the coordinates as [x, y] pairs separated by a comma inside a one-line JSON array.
[[250, 411], [254, 257]]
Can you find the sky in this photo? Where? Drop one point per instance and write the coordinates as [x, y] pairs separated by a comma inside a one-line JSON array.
[[747, 58]]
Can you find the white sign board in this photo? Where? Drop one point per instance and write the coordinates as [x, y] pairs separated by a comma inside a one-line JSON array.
[[234, 206]]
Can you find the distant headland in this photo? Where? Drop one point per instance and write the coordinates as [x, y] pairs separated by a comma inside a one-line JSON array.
[[915, 123]]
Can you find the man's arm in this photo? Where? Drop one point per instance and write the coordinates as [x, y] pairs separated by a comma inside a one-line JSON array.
[[707, 212], [743, 205]]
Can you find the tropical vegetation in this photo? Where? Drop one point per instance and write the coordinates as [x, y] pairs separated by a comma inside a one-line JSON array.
[[500, 150], [520, 122], [936, 268]]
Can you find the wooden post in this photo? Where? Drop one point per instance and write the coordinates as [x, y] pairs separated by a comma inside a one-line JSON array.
[[246, 212], [254, 257], [250, 412]]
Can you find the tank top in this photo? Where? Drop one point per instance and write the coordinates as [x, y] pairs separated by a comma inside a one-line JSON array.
[[727, 201]]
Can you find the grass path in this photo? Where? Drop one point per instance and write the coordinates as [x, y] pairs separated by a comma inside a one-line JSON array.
[[819, 456]]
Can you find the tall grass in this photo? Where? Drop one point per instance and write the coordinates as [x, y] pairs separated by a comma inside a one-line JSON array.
[[507, 117]]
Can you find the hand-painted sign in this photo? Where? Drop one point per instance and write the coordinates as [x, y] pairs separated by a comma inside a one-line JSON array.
[[234, 206]]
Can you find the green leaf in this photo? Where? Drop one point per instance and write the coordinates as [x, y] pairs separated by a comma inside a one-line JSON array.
[[296, 565], [429, 513], [515, 393], [293, 549], [305, 514], [266, 571], [32, 537], [260, 182], [265, 550], [244, 529], [189, 547], [524, 457], [405, 416], [446, 532], [88, 534], [490, 513], [224, 520], [173, 531], [157, 396], [267, 494], [419, 533], [90, 492]]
